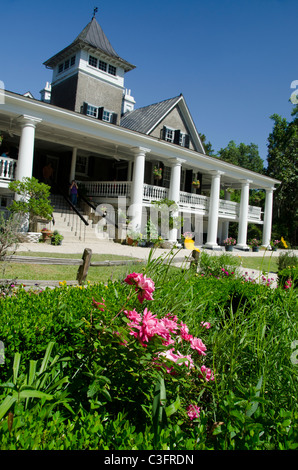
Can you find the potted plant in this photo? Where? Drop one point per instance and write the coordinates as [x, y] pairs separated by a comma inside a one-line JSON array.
[[46, 234], [196, 183], [32, 203], [133, 238], [274, 244], [157, 172], [56, 238], [229, 243], [254, 243]]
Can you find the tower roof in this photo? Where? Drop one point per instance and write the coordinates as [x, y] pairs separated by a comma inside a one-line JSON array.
[[91, 37]]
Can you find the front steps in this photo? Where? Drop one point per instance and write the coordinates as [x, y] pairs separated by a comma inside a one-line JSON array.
[[73, 229]]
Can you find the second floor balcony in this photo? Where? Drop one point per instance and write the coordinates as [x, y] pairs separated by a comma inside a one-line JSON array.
[[188, 202]]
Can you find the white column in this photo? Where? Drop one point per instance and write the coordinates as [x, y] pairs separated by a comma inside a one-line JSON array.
[[72, 173], [243, 216], [26, 149], [267, 218], [213, 211], [137, 187], [225, 223], [174, 193]]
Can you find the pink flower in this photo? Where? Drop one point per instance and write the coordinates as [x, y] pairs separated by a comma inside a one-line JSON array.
[[151, 326], [144, 286], [184, 332], [206, 325], [198, 345], [207, 373], [97, 304], [193, 411]]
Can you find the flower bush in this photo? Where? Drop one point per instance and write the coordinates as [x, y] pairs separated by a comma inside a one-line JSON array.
[[254, 242], [230, 241], [153, 351]]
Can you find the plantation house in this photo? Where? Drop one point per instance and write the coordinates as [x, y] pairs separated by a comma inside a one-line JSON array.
[[87, 125]]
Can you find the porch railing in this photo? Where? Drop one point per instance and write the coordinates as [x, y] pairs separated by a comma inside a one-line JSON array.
[[107, 188], [7, 168], [188, 201]]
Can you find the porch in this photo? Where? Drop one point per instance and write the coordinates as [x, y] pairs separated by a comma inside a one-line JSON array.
[[109, 191]]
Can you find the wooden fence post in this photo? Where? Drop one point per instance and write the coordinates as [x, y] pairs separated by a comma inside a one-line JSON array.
[[83, 269]]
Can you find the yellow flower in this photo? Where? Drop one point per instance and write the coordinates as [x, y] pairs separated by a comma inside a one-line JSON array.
[[283, 242]]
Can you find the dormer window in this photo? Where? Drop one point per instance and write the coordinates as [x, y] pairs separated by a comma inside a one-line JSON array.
[[99, 112], [175, 136]]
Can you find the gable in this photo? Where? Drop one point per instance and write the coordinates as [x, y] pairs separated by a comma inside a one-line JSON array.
[[168, 120]]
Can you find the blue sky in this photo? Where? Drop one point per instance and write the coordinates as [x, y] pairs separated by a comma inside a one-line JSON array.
[[233, 60]]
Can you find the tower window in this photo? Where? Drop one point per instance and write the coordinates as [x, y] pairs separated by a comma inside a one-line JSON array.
[[92, 61], [112, 70], [68, 63], [102, 65]]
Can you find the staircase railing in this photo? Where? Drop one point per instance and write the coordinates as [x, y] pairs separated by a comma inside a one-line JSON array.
[[74, 219]]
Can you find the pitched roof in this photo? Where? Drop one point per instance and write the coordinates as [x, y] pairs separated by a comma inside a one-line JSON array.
[[91, 36], [144, 119]]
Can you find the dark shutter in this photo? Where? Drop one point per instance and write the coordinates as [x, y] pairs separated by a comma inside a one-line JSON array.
[[163, 133], [84, 109], [114, 118], [186, 141], [100, 113], [177, 137]]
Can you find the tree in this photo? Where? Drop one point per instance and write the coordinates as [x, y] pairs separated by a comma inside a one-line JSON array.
[[282, 165], [34, 200], [207, 145], [246, 156]]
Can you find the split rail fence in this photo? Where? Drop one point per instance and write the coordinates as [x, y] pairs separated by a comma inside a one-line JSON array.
[[84, 263]]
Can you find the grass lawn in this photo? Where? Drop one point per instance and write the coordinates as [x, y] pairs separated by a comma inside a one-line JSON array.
[[100, 273], [64, 273], [260, 263]]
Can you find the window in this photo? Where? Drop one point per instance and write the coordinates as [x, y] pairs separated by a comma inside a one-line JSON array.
[[112, 70], [92, 61], [99, 112], [91, 110], [169, 135], [68, 63], [175, 136], [82, 165], [102, 65], [107, 115]]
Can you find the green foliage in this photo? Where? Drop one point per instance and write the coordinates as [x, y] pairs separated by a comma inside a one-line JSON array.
[[114, 398], [282, 165], [8, 234], [34, 200], [246, 156], [286, 259], [56, 238]]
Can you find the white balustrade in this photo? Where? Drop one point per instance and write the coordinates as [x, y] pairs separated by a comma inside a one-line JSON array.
[[111, 189], [7, 168], [107, 188], [154, 193], [193, 200]]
